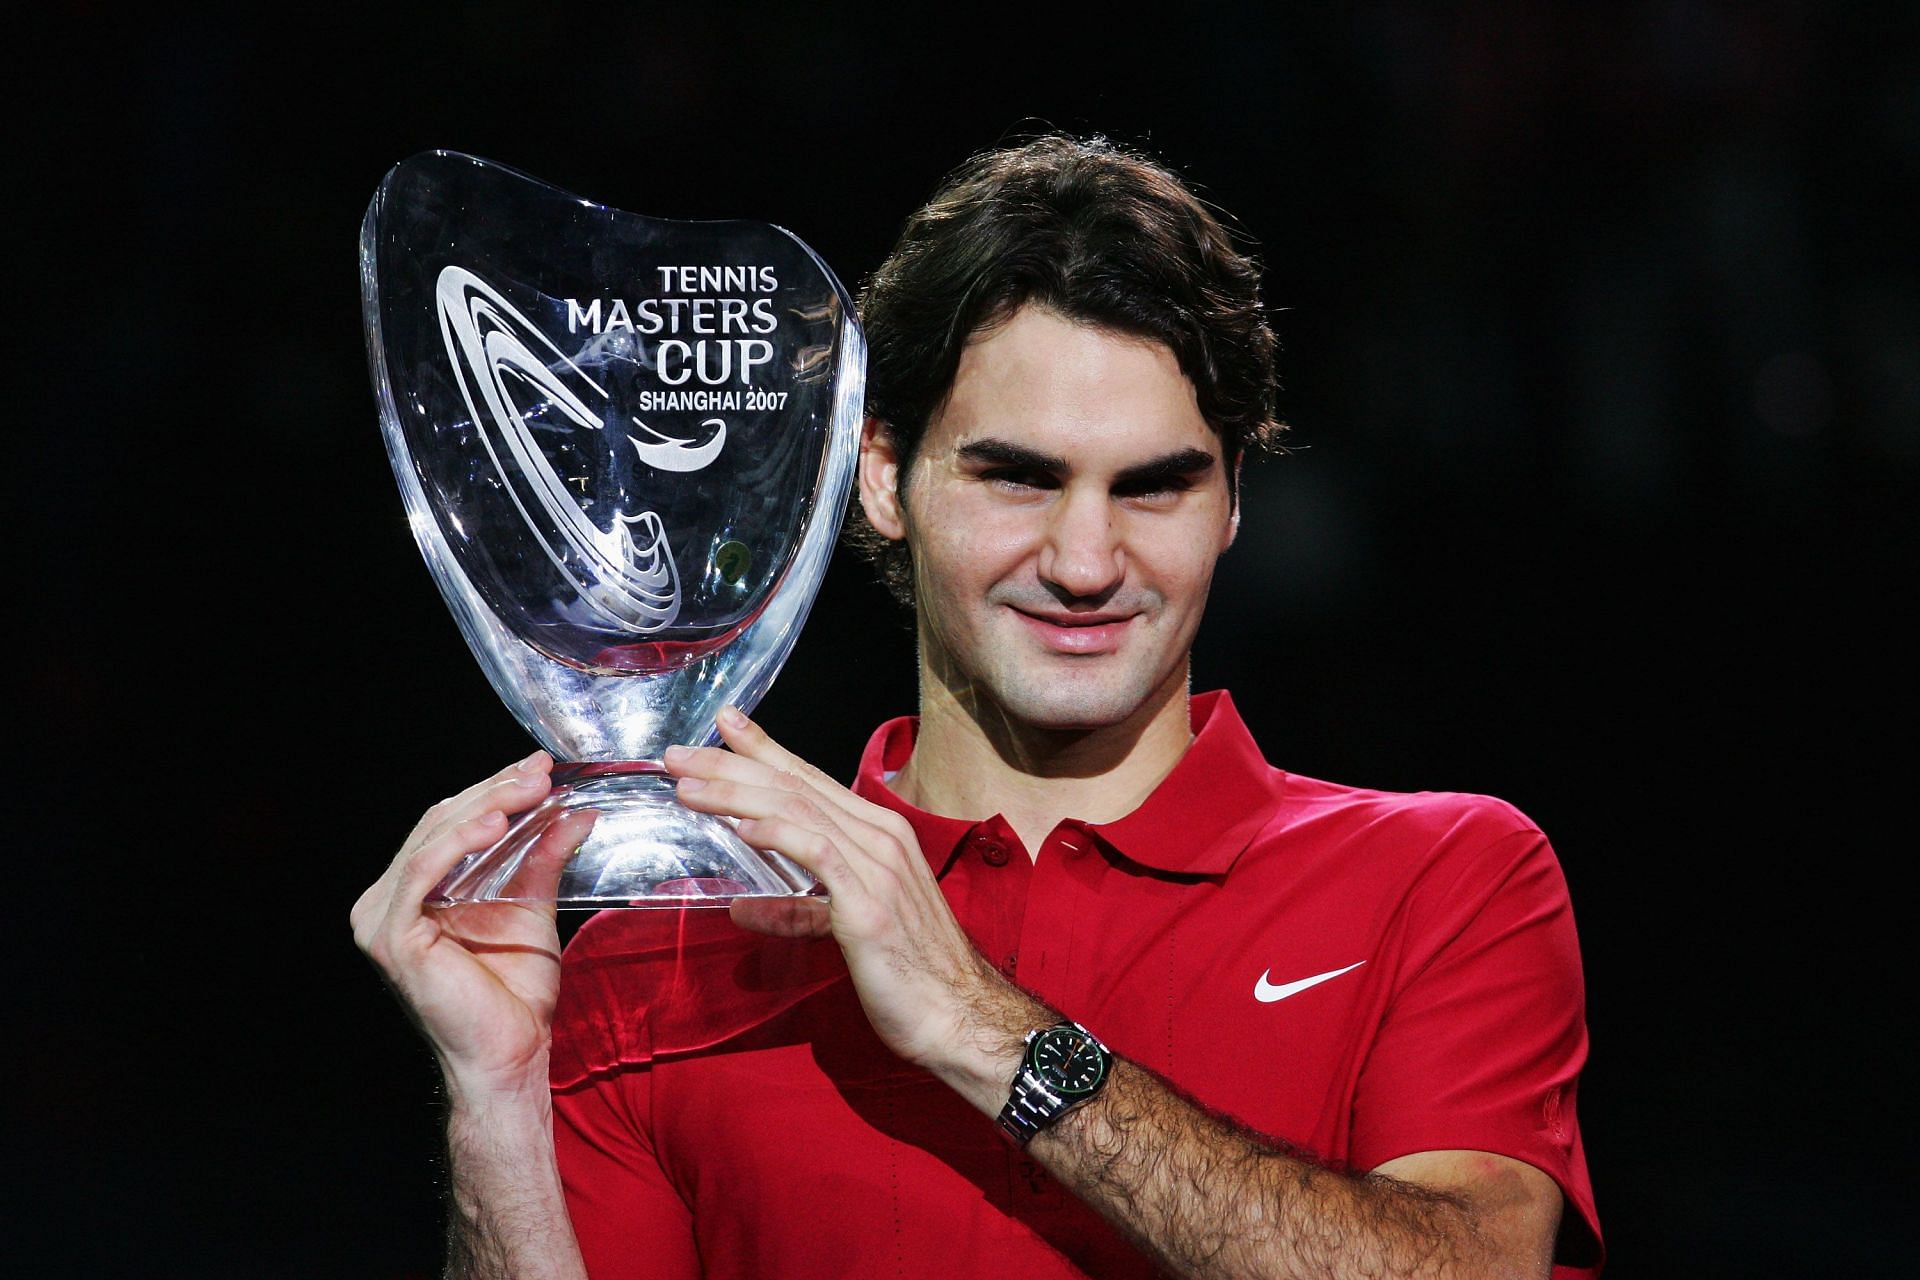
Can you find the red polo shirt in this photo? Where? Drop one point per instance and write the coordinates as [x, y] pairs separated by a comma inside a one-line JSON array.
[[1359, 973]]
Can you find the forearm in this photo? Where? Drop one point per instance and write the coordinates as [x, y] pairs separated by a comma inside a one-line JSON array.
[[1208, 1200], [506, 1214]]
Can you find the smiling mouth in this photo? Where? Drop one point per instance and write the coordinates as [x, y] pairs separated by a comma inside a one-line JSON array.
[[1080, 634]]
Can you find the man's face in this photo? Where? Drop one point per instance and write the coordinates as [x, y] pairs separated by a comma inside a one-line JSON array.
[[1065, 511]]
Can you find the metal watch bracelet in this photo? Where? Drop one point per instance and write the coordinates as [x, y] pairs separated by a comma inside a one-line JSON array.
[[1024, 1116]]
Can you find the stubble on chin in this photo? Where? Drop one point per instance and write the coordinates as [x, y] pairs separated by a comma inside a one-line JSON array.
[[1068, 702], [1020, 693]]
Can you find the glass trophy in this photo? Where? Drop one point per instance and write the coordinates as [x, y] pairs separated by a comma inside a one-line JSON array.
[[624, 445]]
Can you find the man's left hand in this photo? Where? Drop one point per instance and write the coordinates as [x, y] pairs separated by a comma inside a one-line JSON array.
[[930, 995]]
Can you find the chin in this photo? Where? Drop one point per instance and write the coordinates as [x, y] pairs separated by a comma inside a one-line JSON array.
[[1071, 704]]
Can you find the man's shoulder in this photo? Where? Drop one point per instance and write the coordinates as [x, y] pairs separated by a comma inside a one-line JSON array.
[[1297, 820], [1398, 839], [1410, 813]]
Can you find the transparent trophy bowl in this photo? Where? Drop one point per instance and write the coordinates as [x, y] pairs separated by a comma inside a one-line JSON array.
[[624, 445]]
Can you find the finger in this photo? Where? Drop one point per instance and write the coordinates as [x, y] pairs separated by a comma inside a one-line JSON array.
[[867, 851], [716, 762], [757, 800], [814, 849], [783, 917], [708, 765], [392, 903], [518, 786], [748, 739], [862, 841], [758, 759], [430, 863]]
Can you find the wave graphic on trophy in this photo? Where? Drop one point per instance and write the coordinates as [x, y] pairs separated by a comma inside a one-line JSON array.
[[624, 445]]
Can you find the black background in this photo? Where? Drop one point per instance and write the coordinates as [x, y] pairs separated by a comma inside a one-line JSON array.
[[1602, 359]]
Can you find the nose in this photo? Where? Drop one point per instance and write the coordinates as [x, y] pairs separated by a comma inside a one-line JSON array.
[[1082, 555]]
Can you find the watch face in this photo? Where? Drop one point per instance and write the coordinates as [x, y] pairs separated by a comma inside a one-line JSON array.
[[1070, 1061]]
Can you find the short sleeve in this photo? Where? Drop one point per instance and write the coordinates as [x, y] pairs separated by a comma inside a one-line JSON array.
[[1483, 1043], [629, 1220]]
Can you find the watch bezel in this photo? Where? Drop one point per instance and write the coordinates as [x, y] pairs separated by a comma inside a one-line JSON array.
[[1049, 1075]]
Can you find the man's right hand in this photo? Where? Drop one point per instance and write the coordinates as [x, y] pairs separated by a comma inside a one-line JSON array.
[[479, 979]]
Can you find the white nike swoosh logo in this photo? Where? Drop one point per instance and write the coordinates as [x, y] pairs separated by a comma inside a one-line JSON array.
[[1266, 993]]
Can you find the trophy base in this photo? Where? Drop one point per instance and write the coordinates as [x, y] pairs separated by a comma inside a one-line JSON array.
[[646, 849]]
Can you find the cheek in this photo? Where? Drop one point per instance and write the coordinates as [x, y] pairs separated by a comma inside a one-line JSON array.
[[1178, 563], [973, 543]]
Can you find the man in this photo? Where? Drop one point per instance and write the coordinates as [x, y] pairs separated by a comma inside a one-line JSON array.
[[1320, 1031]]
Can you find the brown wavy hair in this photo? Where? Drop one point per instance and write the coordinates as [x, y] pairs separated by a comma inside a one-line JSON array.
[[1086, 229]]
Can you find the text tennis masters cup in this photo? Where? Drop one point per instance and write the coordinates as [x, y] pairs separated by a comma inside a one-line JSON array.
[[624, 445]]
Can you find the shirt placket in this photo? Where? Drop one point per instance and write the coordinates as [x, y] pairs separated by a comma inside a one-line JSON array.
[[988, 884], [1065, 879]]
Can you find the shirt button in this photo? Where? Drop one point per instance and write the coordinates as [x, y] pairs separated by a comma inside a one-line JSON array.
[[994, 852]]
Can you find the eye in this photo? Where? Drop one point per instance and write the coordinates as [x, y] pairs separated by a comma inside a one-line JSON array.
[[1019, 480], [1153, 490]]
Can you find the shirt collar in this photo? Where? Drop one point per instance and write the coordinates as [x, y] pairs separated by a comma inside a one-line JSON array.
[[886, 754], [1205, 813], [1197, 821]]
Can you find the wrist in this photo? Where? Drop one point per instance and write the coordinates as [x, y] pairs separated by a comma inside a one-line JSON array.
[[982, 1056], [489, 1134], [497, 1095]]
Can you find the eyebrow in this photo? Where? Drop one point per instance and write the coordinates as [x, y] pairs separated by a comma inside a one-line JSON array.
[[1178, 465], [1182, 464], [1003, 453]]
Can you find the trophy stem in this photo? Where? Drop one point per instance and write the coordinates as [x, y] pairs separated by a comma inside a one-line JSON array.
[[646, 849]]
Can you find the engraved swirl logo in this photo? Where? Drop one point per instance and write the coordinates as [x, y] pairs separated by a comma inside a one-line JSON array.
[[625, 574]]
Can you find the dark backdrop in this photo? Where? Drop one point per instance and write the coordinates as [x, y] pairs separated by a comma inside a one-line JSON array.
[[1603, 365]]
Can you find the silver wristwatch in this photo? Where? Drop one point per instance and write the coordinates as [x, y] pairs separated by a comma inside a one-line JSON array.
[[1063, 1066]]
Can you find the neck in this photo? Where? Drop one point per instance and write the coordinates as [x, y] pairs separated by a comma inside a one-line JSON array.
[[972, 759]]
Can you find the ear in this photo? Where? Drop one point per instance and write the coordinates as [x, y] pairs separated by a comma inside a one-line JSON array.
[[880, 481], [1233, 520]]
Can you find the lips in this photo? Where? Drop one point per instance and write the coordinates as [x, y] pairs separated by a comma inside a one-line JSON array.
[[1079, 634]]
